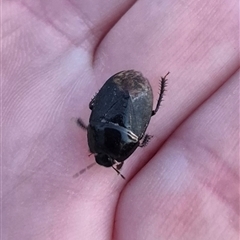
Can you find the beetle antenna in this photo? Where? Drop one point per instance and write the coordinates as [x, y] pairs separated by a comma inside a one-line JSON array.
[[83, 170], [162, 90], [118, 172]]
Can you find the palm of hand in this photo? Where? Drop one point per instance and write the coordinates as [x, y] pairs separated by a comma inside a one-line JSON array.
[[183, 185]]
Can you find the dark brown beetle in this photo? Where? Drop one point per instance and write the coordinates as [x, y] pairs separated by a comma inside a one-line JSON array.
[[121, 112]]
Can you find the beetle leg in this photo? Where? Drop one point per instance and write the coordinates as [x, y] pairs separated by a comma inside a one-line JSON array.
[[91, 104], [119, 165], [146, 140], [81, 124], [118, 172], [162, 90]]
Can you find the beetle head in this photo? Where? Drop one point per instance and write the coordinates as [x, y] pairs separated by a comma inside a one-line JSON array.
[[104, 160]]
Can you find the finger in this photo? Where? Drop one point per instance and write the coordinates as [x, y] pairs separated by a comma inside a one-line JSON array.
[[79, 22], [189, 44], [190, 188]]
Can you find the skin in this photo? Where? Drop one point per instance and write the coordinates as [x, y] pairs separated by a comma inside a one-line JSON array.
[[184, 184]]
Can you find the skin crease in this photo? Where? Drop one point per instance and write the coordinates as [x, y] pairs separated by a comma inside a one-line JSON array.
[[184, 184]]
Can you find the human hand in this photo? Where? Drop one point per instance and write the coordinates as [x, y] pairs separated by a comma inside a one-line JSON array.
[[55, 57]]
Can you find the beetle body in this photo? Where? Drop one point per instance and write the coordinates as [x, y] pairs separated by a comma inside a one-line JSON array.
[[121, 112]]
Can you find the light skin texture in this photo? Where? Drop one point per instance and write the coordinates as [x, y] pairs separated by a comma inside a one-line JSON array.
[[184, 184]]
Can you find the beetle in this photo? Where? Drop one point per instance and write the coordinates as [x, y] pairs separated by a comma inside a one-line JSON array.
[[120, 114]]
